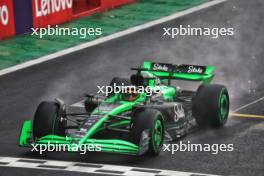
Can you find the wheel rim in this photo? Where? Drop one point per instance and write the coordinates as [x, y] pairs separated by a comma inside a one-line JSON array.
[[157, 134], [223, 106]]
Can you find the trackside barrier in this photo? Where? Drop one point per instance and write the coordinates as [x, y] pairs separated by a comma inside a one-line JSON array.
[[7, 26], [87, 7], [19, 16], [107, 4], [51, 12], [22, 16]]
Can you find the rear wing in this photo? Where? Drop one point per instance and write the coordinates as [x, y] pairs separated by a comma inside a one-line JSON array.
[[183, 72]]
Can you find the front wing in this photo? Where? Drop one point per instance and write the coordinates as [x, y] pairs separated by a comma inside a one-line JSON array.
[[74, 145]]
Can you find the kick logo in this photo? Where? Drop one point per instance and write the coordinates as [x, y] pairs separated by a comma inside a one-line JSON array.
[[4, 16], [178, 112], [46, 7]]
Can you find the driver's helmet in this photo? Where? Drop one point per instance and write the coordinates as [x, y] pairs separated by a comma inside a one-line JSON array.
[[131, 94]]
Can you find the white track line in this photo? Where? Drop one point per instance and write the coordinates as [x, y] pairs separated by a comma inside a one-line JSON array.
[[110, 37], [249, 104], [88, 167]]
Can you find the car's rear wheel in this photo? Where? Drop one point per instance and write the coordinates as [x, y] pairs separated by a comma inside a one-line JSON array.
[[47, 120], [150, 121], [211, 105]]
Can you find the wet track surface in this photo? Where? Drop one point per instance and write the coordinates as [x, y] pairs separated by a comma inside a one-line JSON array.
[[239, 63]]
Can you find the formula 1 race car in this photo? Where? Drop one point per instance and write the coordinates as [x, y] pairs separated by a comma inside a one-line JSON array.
[[131, 121]]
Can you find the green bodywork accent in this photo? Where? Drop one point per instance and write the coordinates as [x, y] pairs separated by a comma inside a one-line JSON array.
[[117, 124], [147, 65], [157, 135], [25, 134], [223, 106], [168, 92], [107, 145], [115, 145], [122, 108], [54, 139]]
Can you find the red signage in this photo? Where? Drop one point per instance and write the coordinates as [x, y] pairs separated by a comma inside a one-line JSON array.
[[51, 12], [7, 25], [107, 4]]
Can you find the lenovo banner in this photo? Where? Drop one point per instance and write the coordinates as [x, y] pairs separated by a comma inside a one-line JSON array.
[[51, 12], [7, 26]]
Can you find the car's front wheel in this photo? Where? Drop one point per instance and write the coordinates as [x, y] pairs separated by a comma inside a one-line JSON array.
[[47, 120], [149, 121]]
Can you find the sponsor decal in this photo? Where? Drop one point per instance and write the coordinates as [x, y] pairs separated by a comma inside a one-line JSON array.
[[47, 7], [51, 12], [4, 15], [178, 68], [193, 69], [7, 24], [178, 112], [160, 67]]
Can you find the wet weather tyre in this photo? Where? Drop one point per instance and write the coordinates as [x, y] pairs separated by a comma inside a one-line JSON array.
[[149, 120], [47, 120], [211, 105]]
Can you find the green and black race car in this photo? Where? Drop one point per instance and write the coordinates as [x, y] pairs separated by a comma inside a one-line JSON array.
[[134, 122]]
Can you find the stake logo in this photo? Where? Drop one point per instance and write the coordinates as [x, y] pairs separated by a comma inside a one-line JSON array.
[[160, 67], [4, 16], [193, 69], [46, 7]]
